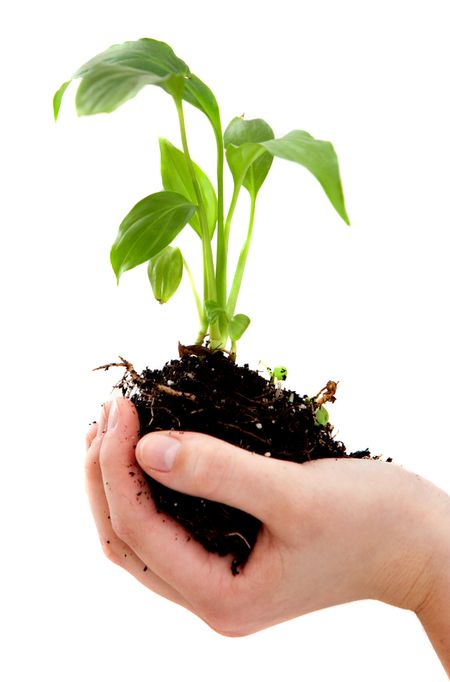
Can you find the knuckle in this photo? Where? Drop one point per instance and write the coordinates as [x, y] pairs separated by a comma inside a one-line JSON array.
[[111, 552], [122, 529]]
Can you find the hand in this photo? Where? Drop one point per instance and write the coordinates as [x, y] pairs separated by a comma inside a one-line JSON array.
[[333, 531]]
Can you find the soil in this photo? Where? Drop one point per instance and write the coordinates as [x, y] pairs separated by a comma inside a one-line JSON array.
[[208, 393]]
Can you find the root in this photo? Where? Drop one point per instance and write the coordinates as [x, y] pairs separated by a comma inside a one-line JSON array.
[[172, 391], [249, 434], [239, 536], [129, 370]]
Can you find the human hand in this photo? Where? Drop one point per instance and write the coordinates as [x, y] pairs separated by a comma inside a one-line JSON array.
[[333, 531]]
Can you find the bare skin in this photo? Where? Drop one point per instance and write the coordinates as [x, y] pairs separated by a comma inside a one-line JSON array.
[[333, 531]]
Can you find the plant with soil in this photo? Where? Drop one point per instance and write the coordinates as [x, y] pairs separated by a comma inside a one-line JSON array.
[[205, 390]]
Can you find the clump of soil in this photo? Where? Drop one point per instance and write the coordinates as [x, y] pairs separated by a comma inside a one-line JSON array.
[[208, 393]]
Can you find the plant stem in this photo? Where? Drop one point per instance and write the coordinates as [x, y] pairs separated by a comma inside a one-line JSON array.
[[221, 253], [208, 263], [209, 280], [237, 280], [198, 303], [234, 198]]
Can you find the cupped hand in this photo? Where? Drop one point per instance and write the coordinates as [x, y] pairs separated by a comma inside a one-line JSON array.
[[333, 531]]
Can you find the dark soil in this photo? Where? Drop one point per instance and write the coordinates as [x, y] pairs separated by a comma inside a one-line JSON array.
[[208, 393]]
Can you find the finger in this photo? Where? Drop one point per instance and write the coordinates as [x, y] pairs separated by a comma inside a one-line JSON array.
[[115, 549], [92, 432], [156, 538], [206, 467]]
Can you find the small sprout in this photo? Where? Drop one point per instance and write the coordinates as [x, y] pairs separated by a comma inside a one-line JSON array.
[[280, 373], [277, 374], [322, 416]]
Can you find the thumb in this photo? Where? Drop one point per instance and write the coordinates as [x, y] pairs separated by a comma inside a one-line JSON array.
[[204, 466]]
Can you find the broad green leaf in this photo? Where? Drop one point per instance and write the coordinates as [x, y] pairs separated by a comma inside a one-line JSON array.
[[240, 131], [318, 157], [237, 326], [216, 314], [106, 86], [241, 158], [165, 271], [149, 57], [322, 416], [177, 178], [148, 228], [57, 99], [122, 70], [146, 55]]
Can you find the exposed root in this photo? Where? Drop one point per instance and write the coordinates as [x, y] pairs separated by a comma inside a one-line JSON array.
[[239, 536], [172, 391], [131, 373], [129, 369], [235, 427]]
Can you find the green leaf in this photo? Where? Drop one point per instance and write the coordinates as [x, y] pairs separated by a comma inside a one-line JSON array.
[[215, 314], [146, 55], [57, 99], [120, 72], [117, 74], [322, 416], [148, 228], [177, 178], [240, 131], [105, 87], [241, 158], [165, 271], [237, 326], [318, 157]]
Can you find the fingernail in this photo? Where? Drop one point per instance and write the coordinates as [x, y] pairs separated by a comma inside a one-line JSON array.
[[113, 416], [158, 452]]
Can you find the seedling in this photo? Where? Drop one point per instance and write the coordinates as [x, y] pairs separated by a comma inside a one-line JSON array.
[[147, 232]]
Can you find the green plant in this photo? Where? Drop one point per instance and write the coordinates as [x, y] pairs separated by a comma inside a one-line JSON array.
[[147, 232]]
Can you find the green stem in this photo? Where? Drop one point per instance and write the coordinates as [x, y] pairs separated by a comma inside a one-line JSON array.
[[209, 280], [208, 263], [198, 303], [221, 253], [234, 198], [237, 280]]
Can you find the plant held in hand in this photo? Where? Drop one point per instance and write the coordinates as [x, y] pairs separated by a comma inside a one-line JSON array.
[[203, 390], [146, 233]]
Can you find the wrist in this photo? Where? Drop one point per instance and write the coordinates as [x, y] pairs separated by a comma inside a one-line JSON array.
[[434, 609], [417, 556]]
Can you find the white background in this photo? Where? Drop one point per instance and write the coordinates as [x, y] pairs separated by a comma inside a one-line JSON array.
[[366, 305]]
